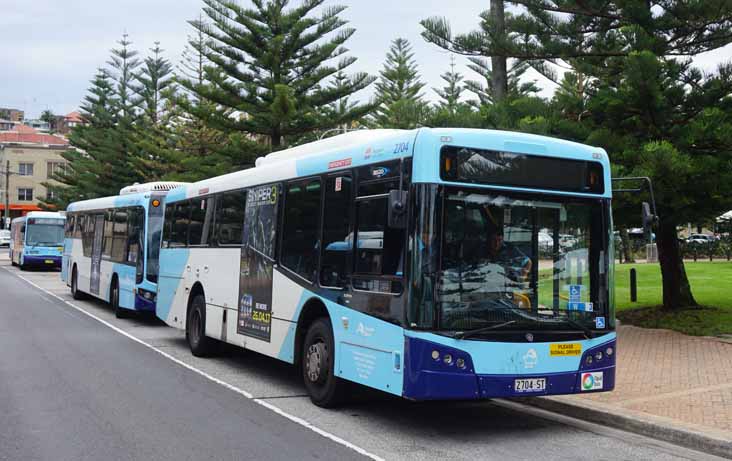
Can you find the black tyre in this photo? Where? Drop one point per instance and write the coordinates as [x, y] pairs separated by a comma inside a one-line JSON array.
[[75, 293], [119, 312], [200, 344], [22, 264], [318, 366], [12, 260]]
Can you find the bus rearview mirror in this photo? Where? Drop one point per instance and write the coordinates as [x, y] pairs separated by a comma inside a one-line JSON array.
[[398, 200], [648, 217]]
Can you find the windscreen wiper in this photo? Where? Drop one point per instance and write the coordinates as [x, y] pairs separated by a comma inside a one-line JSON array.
[[587, 332], [466, 334]]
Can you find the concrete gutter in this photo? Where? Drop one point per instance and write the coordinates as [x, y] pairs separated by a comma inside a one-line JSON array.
[[708, 440]]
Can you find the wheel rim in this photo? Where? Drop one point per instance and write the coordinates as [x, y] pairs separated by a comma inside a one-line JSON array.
[[195, 326], [316, 362]]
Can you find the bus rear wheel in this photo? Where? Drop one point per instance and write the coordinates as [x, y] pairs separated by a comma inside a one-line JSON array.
[[200, 344], [318, 366]]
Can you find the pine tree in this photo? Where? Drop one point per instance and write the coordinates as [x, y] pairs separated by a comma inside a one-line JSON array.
[[398, 90], [271, 68], [491, 36], [123, 65], [94, 164], [485, 91], [157, 156], [654, 112], [450, 94], [205, 151]]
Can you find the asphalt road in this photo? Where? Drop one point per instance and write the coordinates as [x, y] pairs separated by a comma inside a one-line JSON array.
[[72, 388]]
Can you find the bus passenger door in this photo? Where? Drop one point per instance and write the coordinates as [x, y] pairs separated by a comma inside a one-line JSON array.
[[96, 257]]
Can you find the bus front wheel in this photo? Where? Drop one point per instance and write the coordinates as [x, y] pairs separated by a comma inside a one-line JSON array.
[[318, 366], [75, 293], [200, 344], [119, 312]]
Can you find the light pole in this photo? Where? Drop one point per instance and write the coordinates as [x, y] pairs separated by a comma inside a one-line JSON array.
[[6, 211]]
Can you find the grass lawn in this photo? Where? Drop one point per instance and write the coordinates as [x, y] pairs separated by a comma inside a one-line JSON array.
[[711, 284]]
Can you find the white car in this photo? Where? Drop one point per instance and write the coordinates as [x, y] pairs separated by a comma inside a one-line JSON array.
[[697, 239], [4, 238]]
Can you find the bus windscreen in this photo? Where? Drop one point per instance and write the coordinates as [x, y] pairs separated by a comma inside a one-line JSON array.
[[44, 232]]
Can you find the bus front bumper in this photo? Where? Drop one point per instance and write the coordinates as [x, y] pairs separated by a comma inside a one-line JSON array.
[[47, 261], [430, 379]]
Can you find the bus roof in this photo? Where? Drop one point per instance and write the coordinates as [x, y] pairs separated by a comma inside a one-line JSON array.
[[371, 146], [116, 201], [40, 214]]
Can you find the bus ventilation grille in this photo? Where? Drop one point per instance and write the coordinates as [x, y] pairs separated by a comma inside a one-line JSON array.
[[160, 186]]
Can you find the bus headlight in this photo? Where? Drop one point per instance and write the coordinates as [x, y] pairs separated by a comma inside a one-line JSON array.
[[609, 351], [435, 355], [447, 359]]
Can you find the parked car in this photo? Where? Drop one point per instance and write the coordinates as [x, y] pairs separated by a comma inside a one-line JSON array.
[[700, 239], [4, 238]]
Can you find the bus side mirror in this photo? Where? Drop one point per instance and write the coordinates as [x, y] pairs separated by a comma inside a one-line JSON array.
[[398, 200], [648, 217]]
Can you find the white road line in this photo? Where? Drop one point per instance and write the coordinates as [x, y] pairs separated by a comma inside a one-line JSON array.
[[242, 392]]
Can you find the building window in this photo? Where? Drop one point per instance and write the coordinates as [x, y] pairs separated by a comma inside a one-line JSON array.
[[25, 169], [54, 168], [25, 194]]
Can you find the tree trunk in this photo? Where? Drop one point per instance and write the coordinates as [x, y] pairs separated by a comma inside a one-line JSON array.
[[627, 246], [676, 289], [499, 69]]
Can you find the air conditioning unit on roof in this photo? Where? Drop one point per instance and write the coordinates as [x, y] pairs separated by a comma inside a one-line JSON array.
[[159, 186]]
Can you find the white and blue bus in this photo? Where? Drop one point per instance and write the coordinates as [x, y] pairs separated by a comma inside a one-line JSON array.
[[37, 240], [429, 264], [111, 247]]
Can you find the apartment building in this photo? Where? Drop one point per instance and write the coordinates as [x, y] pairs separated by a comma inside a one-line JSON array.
[[33, 158]]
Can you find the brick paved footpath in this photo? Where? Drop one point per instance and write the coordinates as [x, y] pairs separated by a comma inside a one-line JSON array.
[[681, 380]]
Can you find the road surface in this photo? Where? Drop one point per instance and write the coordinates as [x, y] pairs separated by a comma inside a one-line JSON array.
[[76, 383]]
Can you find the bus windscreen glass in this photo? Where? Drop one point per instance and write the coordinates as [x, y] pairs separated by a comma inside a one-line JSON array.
[[521, 262], [480, 166], [44, 232]]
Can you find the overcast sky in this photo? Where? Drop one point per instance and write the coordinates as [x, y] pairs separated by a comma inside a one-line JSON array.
[[50, 49]]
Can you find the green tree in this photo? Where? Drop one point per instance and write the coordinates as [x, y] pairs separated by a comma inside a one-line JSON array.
[[123, 64], [94, 164], [491, 36], [647, 105], [205, 150], [451, 93], [450, 111], [154, 136], [398, 90], [273, 64]]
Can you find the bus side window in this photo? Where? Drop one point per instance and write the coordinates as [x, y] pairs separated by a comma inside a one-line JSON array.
[[379, 247], [300, 231], [167, 225], [181, 221], [230, 208], [134, 234], [108, 224], [119, 236], [335, 266], [198, 217], [87, 234]]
